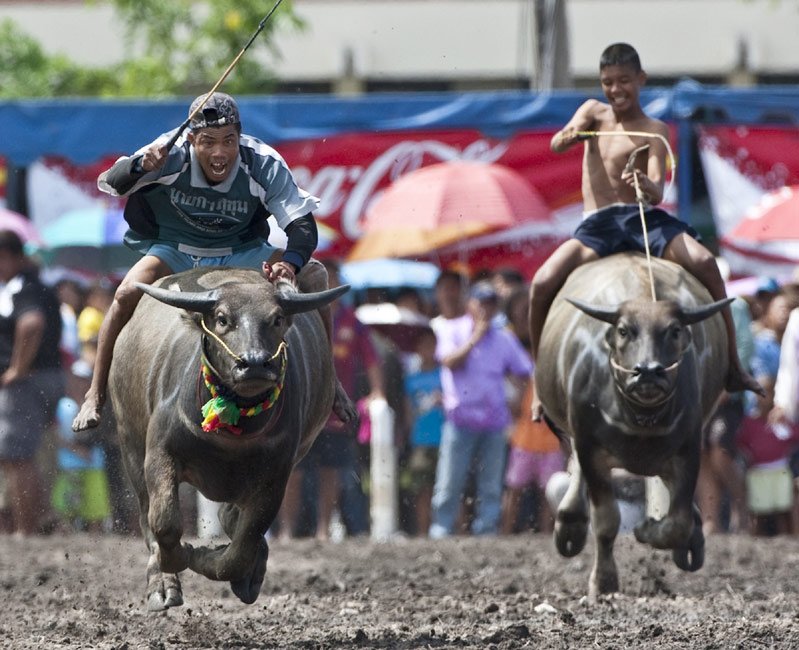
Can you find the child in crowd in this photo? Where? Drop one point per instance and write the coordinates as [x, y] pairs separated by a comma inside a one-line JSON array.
[[535, 455], [426, 415], [81, 491], [767, 448]]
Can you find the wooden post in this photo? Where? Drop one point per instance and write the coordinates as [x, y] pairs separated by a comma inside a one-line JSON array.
[[383, 471]]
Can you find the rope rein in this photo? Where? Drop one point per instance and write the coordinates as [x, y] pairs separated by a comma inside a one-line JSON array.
[[642, 134], [220, 341], [620, 368], [223, 412], [280, 348], [640, 197]]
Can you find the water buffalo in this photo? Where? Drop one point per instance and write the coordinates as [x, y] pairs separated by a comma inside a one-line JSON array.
[[631, 381], [221, 380]]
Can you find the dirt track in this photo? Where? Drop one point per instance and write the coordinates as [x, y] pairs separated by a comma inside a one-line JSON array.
[[83, 592]]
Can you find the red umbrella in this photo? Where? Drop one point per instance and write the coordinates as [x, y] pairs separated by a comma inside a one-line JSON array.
[[444, 203], [775, 218], [10, 220]]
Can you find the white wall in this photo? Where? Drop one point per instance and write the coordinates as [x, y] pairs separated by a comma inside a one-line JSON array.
[[460, 39], [678, 37]]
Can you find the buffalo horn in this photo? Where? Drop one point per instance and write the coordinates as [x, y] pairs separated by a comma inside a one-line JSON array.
[[607, 314], [199, 301], [292, 302], [691, 315]]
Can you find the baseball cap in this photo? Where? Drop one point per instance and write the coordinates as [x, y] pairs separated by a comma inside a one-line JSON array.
[[483, 291], [220, 110]]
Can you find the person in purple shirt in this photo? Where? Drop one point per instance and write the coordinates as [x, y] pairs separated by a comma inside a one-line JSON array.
[[476, 358]]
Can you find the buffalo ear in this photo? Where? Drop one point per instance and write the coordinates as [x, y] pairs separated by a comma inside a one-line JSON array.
[[606, 314], [294, 302], [199, 301], [691, 315]]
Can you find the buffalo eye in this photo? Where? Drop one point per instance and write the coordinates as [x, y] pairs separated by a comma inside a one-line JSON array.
[[279, 320], [622, 331], [676, 331], [222, 320]]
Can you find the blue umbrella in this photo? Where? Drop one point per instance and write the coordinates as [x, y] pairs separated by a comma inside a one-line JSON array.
[[89, 239], [389, 273]]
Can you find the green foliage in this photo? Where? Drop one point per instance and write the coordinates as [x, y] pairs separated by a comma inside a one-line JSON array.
[[27, 71], [188, 46]]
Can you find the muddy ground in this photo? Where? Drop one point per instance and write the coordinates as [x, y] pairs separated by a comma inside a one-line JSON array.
[[80, 591]]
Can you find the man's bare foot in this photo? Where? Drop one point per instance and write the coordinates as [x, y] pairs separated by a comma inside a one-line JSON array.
[[89, 415], [738, 379], [342, 405]]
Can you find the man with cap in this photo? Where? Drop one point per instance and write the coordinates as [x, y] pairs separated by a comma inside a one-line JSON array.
[[205, 202], [476, 358]]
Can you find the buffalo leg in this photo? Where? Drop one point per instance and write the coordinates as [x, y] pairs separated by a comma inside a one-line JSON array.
[[243, 560], [605, 520], [571, 522], [249, 584], [163, 590], [677, 529], [164, 521]]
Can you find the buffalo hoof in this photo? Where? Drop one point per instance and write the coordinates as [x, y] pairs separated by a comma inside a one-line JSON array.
[[571, 531], [167, 594], [692, 557], [248, 587], [605, 583]]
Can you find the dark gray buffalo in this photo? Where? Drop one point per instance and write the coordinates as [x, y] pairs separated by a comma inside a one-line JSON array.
[[250, 336], [631, 381]]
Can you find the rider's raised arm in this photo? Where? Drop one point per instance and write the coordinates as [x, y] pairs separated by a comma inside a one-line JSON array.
[[582, 120]]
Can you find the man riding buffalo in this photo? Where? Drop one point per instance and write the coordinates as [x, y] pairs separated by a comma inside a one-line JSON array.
[[205, 202]]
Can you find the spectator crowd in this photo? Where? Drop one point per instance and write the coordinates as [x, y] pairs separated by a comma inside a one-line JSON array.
[[471, 460]]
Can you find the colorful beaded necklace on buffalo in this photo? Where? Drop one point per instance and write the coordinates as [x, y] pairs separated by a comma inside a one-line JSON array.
[[222, 412]]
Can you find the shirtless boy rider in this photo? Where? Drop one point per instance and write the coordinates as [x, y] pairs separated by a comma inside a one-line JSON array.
[[612, 222]]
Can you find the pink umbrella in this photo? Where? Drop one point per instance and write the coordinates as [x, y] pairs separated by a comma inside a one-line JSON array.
[[21, 225], [445, 203]]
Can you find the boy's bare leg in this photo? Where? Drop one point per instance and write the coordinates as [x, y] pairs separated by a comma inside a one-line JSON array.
[[312, 278], [545, 285], [695, 258], [147, 270]]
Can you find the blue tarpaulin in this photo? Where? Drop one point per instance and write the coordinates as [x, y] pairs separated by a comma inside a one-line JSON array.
[[84, 130]]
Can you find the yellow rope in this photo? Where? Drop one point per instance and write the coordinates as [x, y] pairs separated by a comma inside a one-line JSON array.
[[639, 196], [280, 348], [220, 341]]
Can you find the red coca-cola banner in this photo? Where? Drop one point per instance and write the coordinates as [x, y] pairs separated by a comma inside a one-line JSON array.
[[348, 171]]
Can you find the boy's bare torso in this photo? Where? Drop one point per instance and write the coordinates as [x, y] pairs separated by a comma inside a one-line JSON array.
[[605, 157]]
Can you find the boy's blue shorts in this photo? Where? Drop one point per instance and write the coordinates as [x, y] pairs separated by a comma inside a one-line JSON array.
[[617, 228], [177, 261]]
